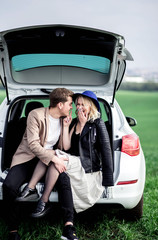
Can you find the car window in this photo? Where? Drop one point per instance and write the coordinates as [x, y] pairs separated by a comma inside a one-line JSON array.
[[45, 103], [28, 61], [103, 112]]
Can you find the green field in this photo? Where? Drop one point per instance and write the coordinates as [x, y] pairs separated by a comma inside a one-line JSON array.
[[101, 223]]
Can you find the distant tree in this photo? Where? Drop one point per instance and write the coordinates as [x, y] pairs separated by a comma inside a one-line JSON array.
[[150, 86]]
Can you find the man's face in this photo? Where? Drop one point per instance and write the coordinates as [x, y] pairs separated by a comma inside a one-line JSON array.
[[66, 107]]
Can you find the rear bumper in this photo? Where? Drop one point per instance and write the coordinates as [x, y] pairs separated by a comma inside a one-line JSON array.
[[127, 196]]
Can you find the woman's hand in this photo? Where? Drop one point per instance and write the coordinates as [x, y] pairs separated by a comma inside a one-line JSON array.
[[82, 117]]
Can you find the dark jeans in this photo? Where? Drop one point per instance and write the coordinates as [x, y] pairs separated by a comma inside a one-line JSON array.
[[22, 173]]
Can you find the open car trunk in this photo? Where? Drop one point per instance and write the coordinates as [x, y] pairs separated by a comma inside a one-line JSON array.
[[16, 122], [44, 57]]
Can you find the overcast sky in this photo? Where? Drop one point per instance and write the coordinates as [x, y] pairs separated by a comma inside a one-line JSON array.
[[136, 20]]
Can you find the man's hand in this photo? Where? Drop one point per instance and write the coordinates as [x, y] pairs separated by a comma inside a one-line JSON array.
[[67, 120], [59, 164]]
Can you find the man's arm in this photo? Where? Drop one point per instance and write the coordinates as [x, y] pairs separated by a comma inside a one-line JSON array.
[[36, 134]]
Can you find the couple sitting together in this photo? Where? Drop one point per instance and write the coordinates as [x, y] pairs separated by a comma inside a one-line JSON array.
[[74, 156]]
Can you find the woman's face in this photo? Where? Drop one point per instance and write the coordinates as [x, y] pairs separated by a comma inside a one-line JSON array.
[[83, 105]]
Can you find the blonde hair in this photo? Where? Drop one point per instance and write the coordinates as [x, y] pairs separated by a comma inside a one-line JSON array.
[[93, 114]]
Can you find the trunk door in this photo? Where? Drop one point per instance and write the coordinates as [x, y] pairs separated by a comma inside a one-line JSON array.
[[40, 58]]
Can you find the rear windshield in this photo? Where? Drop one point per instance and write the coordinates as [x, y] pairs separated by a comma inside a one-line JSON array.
[[28, 61], [61, 56]]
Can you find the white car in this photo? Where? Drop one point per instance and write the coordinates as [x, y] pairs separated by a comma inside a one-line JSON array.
[[34, 60]]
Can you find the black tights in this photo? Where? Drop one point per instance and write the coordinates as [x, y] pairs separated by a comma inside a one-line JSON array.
[[21, 174]]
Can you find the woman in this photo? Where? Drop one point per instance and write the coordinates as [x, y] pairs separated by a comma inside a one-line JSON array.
[[88, 138]]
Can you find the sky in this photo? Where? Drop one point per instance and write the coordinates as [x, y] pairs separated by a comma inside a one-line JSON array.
[[136, 20]]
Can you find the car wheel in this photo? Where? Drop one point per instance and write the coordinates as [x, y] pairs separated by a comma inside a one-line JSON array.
[[136, 212]]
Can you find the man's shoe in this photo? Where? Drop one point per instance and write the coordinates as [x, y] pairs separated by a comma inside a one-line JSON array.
[[14, 236], [69, 233], [28, 194], [41, 210]]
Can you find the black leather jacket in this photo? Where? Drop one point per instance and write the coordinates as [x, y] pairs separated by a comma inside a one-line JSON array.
[[95, 150]]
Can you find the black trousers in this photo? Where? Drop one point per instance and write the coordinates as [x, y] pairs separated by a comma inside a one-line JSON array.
[[21, 174]]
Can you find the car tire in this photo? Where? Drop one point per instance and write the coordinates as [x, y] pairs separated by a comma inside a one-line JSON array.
[[136, 212]]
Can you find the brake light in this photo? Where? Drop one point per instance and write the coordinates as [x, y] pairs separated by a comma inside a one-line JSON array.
[[127, 182], [130, 144]]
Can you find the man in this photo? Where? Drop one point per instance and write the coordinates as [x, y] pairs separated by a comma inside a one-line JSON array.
[[32, 149]]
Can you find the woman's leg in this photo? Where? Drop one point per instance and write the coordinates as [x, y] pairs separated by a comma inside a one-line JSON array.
[[50, 180], [43, 206], [37, 174]]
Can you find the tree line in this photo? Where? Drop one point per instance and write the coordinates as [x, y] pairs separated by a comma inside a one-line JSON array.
[[133, 86]]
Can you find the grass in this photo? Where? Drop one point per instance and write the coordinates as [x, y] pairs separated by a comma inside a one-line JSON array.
[[100, 222], [143, 107]]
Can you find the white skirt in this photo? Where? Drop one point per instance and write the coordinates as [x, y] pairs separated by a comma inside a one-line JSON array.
[[86, 187]]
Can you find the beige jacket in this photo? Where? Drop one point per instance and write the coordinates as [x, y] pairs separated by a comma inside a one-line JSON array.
[[33, 141]]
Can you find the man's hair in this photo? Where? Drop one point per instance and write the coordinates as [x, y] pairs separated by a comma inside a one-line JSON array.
[[59, 95]]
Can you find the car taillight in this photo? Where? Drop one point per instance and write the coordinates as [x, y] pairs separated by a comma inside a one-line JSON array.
[[127, 182], [130, 144]]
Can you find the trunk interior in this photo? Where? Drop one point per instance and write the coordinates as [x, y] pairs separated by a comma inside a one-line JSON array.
[[16, 122]]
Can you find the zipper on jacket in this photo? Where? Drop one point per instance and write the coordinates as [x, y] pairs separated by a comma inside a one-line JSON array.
[[90, 147], [44, 140]]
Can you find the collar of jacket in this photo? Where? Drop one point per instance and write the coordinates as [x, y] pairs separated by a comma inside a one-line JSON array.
[[87, 128], [46, 111]]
